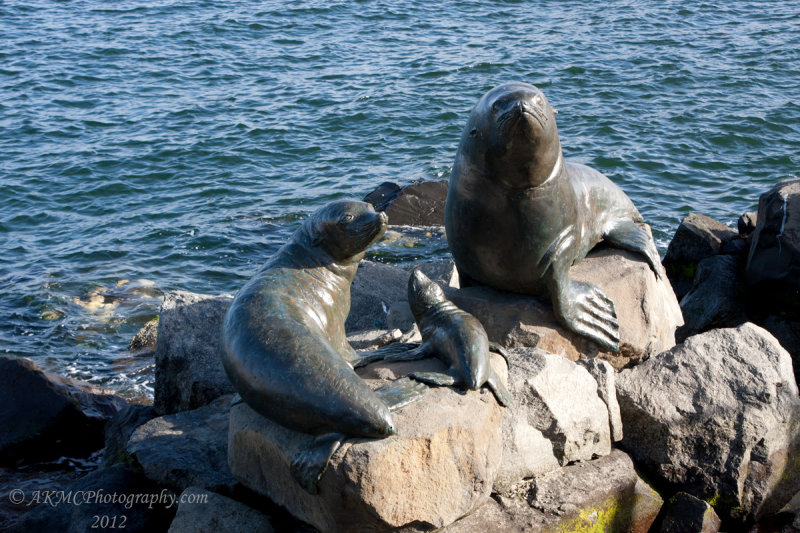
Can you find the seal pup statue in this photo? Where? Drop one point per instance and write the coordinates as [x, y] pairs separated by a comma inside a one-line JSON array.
[[453, 336], [517, 215], [283, 340]]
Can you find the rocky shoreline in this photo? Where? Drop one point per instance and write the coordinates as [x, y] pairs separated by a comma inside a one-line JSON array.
[[702, 435]]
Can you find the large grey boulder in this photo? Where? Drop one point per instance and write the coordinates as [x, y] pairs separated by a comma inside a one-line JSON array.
[[186, 449], [438, 467], [604, 495], [604, 375], [686, 514], [44, 417], [715, 298], [773, 264], [202, 511], [189, 372], [557, 417], [718, 417], [647, 310], [119, 430], [697, 237]]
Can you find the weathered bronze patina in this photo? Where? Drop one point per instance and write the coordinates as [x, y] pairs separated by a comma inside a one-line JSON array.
[[283, 338], [518, 216], [455, 337]]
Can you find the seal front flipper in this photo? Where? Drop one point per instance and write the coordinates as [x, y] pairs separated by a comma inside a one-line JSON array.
[[441, 379], [628, 235], [499, 390], [583, 308], [420, 352], [400, 393], [311, 461]]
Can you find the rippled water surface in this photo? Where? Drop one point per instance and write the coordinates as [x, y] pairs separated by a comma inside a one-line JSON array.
[[176, 144]]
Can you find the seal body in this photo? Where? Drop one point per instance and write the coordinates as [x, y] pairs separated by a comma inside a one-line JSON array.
[[455, 337], [283, 338], [517, 215]]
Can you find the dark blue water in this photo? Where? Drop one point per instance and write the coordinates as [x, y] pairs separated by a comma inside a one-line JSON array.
[[178, 143]]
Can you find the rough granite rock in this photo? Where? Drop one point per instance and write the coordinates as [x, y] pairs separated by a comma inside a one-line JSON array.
[[696, 238], [131, 515], [187, 449], [747, 223], [557, 417], [189, 372], [718, 417], [144, 342], [119, 429], [685, 513], [44, 417], [603, 373], [714, 300], [773, 264], [418, 204], [647, 310], [604, 495], [201, 511], [438, 467]]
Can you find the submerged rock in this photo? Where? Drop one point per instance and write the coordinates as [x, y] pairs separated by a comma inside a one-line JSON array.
[[44, 417], [417, 204], [718, 417], [189, 372], [647, 310], [438, 467], [144, 342], [773, 264]]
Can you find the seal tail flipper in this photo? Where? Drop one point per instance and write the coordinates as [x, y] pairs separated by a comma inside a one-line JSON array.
[[499, 390], [397, 351], [311, 461], [628, 235], [496, 348], [441, 379], [400, 393]]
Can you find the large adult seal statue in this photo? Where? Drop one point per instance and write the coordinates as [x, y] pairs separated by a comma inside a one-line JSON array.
[[284, 344], [518, 216]]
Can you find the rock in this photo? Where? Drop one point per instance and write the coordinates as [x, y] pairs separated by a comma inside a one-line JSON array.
[[747, 223], [604, 495], [686, 514], [119, 429], [714, 300], [786, 328], [113, 498], [773, 265], [418, 204], [44, 417], [187, 449], [718, 417], [438, 467], [647, 310], [383, 195], [201, 511], [603, 373], [144, 342], [379, 288], [189, 372], [557, 417], [696, 238]]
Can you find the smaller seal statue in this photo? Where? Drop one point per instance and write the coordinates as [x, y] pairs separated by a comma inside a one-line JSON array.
[[283, 340], [453, 336], [517, 215]]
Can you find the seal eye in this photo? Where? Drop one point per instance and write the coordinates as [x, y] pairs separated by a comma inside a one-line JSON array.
[[473, 131], [346, 219]]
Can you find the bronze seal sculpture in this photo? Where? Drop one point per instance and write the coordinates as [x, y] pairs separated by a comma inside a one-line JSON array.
[[453, 336], [283, 340], [518, 216]]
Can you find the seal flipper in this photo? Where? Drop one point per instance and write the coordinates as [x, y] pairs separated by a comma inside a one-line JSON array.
[[583, 308], [496, 348], [311, 461], [420, 352], [400, 393], [441, 379], [628, 235], [501, 393]]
